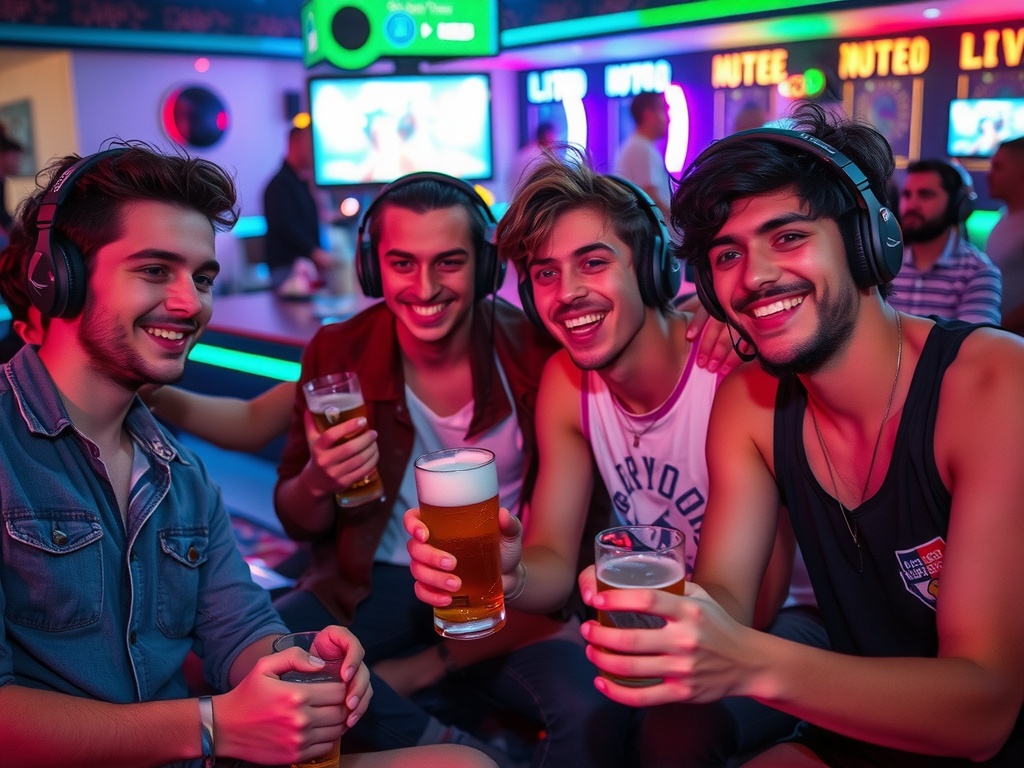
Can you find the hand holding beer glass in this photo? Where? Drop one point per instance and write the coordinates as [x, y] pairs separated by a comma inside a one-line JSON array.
[[638, 556], [329, 673], [334, 399], [458, 497]]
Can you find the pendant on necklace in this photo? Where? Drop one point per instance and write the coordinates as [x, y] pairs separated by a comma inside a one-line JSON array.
[[636, 440]]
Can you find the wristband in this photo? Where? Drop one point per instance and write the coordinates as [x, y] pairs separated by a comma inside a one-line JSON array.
[[206, 731], [520, 582]]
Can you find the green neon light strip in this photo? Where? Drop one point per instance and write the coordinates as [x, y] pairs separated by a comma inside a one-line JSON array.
[[252, 45], [257, 365], [631, 21]]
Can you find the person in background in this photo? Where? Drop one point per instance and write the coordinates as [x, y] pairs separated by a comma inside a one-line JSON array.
[[624, 403], [532, 152], [442, 363], [942, 273], [293, 220], [27, 322], [880, 437], [10, 159], [639, 160], [1005, 244], [116, 554]]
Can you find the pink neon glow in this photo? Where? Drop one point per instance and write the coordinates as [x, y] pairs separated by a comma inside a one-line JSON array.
[[678, 129]]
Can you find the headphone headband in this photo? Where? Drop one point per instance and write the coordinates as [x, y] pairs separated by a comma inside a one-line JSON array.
[[489, 271], [56, 271]]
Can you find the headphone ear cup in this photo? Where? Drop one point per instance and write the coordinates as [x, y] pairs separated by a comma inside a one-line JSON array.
[[705, 286], [648, 265], [56, 278], [857, 236], [490, 270], [966, 200], [367, 268], [526, 299], [889, 246]]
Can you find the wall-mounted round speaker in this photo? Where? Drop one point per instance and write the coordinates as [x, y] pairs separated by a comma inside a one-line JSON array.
[[194, 116]]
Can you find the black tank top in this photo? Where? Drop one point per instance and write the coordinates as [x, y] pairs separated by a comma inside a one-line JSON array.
[[889, 608]]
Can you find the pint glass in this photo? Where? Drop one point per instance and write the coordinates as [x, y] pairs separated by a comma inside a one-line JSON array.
[[458, 495], [333, 399], [639, 556], [329, 673]]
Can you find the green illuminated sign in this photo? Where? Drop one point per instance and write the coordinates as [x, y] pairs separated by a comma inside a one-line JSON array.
[[352, 34], [257, 365]]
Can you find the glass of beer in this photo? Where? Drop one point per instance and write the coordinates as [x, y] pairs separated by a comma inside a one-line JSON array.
[[333, 399], [458, 495], [639, 556], [330, 673]]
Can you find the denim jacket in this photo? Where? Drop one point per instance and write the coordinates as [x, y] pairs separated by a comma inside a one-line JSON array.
[[95, 607]]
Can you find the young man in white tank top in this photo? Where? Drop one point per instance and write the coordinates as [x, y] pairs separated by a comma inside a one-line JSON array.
[[624, 394], [442, 364]]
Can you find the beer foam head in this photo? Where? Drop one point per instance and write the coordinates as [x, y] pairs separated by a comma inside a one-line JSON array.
[[320, 400], [456, 477]]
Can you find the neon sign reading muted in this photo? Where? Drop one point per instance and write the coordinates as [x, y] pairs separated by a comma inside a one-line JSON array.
[[636, 77]]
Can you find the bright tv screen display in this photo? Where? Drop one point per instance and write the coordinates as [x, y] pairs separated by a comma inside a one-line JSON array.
[[371, 130], [978, 126]]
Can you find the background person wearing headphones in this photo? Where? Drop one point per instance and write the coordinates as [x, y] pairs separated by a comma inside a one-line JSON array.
[[443, 363], [942, 273], [880, 438], [623, 403]]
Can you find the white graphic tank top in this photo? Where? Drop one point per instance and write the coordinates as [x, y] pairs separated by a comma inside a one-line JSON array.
[[653, 464]]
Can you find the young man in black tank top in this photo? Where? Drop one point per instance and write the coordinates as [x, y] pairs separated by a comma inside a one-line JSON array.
[[886, 438]]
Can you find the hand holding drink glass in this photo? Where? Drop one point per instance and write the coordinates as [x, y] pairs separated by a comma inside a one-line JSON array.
[[458, 497], [331, 672], [638, 557], [334, 399]]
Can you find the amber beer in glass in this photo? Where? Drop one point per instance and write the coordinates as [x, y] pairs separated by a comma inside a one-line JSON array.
[[329, 673], [333, 399], [458, 495], [639, 556]]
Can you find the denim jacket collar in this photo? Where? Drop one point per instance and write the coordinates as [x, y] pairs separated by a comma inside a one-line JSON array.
[[44, 412]]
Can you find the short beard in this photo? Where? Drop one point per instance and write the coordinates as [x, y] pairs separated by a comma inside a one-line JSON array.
[[836, 324], [926, 232]]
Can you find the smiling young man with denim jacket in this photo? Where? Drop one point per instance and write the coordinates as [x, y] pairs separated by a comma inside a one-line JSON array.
[[116, 555]]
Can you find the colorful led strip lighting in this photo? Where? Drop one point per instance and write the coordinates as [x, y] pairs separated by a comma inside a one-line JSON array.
[[246, 362], [649, 18]]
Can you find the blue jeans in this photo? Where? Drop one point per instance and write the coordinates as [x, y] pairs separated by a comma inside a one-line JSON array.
[[704, 735], [550, 682]]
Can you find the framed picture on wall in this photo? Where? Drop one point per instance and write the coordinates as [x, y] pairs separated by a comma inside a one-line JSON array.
[[892, 105], [16, 118]]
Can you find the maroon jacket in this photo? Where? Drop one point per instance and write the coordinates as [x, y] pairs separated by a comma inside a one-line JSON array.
[[368, 344]]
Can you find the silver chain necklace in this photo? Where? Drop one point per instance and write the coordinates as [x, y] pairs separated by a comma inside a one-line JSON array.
[[851, 526]]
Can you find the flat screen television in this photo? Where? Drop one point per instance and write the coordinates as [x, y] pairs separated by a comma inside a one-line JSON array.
[[373, 129], [978, 126]]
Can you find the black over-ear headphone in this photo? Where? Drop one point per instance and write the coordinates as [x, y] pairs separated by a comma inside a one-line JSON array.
[[489, 271], [56, 271], [876, 253], [963, 201], [658, 272]]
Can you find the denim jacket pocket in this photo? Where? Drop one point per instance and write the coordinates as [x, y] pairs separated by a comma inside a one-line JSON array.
[[53, 568], [183, 550]]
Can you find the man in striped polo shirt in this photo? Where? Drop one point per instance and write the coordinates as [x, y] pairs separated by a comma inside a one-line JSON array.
[[942, 273]]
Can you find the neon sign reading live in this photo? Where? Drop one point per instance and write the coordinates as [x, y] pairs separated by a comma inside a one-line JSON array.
[[997, 47], [556, 85]]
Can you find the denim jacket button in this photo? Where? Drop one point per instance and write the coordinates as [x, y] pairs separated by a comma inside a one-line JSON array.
[[193, 554], [59, 538]]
